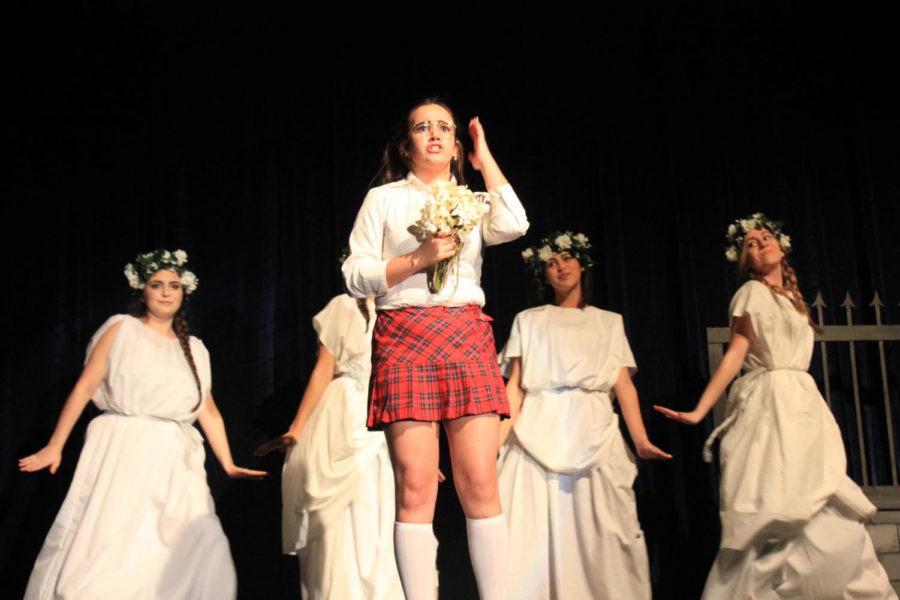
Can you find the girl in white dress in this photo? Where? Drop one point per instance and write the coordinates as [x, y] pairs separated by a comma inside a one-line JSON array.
[[565, 472], [337, 483], [138, 521], [792, 520]]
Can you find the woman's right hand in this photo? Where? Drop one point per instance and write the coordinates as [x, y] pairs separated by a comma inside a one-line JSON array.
[[688, 418], [436, 248], [281, 444], [48, 456]]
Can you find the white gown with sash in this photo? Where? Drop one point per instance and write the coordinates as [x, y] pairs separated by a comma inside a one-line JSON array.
[[138, 521], [566, 473], [337, 482], [792, 520]]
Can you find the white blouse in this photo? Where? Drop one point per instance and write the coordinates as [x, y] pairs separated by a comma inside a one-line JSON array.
[[380, 234]]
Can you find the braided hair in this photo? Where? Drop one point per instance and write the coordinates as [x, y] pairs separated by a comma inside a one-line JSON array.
[[138, 309], [181, 328]]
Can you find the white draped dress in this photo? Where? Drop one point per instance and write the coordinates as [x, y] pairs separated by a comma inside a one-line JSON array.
[[337, 482], [792, 520], [566, 474], [138, 521]]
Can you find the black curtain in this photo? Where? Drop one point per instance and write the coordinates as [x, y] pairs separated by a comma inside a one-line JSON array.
[[249, 139]]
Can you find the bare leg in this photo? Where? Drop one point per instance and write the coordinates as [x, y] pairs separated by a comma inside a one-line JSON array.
[[415, 454], [473, 449], [474, 442]]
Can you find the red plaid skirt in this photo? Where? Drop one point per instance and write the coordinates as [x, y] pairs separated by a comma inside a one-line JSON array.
[[434, 363]]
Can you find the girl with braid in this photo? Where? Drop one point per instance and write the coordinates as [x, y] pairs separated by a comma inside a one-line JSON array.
[[792, 520], [138, 520]]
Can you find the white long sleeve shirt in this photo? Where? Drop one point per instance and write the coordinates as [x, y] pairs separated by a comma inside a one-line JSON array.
[[380, 234]]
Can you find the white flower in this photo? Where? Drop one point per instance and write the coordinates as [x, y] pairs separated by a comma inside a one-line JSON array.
[[748, 224], [757, 216], [189, 281], [450, 208], [166, 256], [544, 253], [580, 238], [133, 280], [180, 257], [732, 229], [731, 254], [527, 253], [785, 241], [563, 242], [153, 267]]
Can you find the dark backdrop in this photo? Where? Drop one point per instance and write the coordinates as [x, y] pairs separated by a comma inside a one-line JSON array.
[[249, 138]]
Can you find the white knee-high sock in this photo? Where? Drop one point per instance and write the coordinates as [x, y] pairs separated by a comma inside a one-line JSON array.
[[489, 551], [415, 548]]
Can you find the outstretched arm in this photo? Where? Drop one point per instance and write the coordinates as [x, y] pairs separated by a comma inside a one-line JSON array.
[[322, 374], [516, 395], [90, 379], [214, 427], [627, 396], [741, 334]]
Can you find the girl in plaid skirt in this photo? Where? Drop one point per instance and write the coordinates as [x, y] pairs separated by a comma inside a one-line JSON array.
[[433, 353]]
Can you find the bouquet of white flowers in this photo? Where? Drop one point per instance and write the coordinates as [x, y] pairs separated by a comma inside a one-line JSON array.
[[453, 209]]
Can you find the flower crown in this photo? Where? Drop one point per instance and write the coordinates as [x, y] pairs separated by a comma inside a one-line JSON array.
[[556, 242], [145, 265], [734, 236]]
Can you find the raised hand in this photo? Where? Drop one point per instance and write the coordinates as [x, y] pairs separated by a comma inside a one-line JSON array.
[[480, 152]]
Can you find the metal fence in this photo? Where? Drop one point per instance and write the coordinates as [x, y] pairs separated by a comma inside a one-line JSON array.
[[858, 375]]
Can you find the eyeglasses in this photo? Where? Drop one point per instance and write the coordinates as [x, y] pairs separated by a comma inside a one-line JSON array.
[[425, 128]]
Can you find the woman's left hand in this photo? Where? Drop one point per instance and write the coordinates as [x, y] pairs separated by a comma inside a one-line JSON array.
[[236, 472], [480, 153], [648, 451]]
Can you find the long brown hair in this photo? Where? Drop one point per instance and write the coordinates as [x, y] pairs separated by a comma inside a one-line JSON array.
[[789, 288], [395, 164]]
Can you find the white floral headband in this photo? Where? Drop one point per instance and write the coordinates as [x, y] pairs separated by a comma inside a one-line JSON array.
[[146, 265], [556, 242], [738, 230]]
